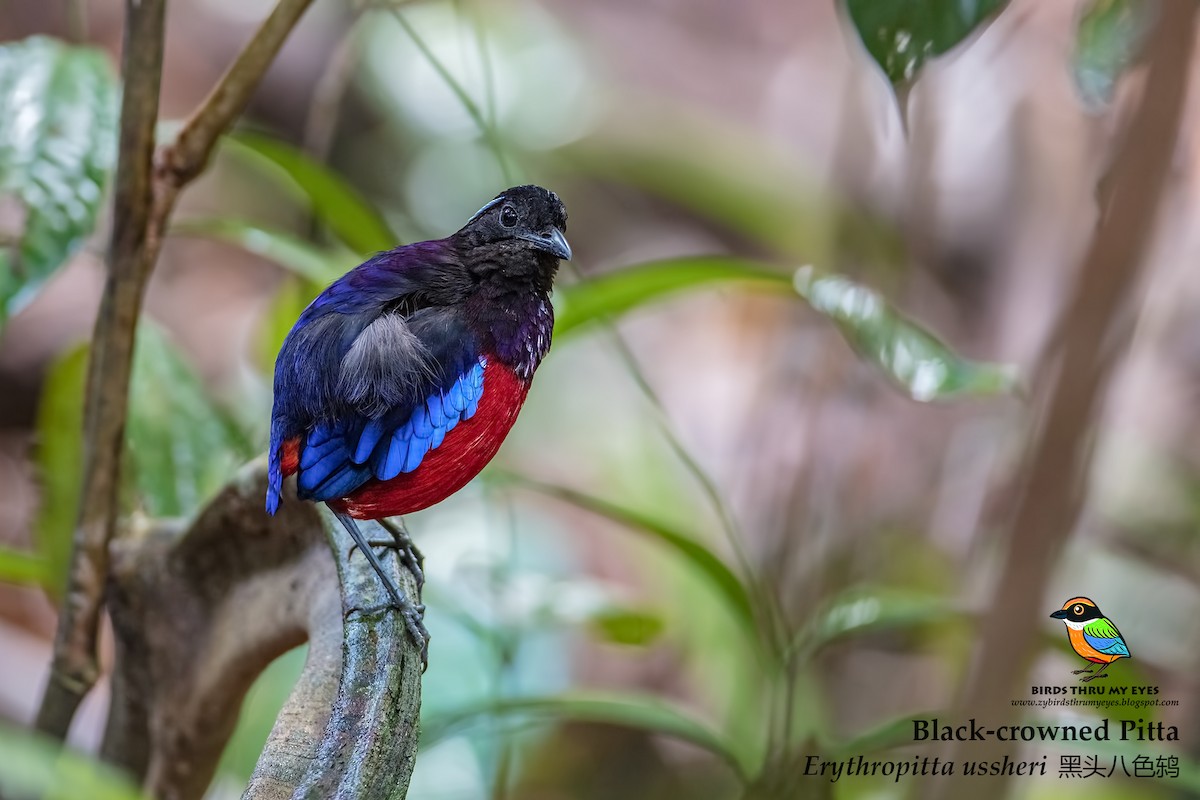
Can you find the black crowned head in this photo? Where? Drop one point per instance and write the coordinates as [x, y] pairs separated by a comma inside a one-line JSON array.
[[518, 223], [1078, 609]]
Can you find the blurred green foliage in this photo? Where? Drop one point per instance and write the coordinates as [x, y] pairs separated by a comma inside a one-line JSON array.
[[1109, 37], [171, 468], [916, 360], [506, 628], [57, 148], [901, 35], [355, 222], [34, 766]]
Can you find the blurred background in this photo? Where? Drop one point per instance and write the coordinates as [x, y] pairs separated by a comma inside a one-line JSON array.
[[708, 466]]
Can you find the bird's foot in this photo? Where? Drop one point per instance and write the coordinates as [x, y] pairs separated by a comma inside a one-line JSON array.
[[406, 551], [413, 613], [1079, 671], [414, 622], [1097, 675], [410, 557]]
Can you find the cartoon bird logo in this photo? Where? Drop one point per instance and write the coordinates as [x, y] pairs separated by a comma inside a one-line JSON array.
[[1092, 635]]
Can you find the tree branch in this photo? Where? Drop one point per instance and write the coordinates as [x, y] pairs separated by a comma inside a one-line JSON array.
[[145, 195], [1096, 329], [188, 155], [199, 614], [74, 668]]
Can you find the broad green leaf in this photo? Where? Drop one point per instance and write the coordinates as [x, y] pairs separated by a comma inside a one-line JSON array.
[[860, 610], [34, 766], [59, 454], [57, 149], [627, 626], [916, 360], [650, 714], [318, 265], [17, 566], [182, 447], [722, 579], [618, 292], [1109, 36], [901, 35], [334, 201]]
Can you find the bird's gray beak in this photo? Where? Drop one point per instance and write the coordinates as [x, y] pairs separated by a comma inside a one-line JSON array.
[[552, 241], [1059, 615]]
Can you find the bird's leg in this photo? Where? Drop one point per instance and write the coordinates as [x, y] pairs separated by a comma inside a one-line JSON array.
[[409, 555], [1097, 675], [413, 613], [1080, 671], [402, 543]]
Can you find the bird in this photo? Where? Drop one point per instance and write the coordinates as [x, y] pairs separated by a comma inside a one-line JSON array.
[[1093, 636], [399, 382]]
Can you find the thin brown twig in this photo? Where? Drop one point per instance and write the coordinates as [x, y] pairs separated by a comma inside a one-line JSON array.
[[146, 190], [74, 669], [1096, 331]]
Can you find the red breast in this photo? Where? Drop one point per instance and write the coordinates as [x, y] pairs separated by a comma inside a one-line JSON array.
[[463, 453]]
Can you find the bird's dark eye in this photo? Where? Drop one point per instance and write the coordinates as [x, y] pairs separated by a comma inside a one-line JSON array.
[[1077, 611], [508, 216]]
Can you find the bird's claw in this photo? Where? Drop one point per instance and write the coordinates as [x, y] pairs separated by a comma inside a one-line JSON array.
[[1097, 675], [406, 551], [413, 613], [410, 557], [1079, 671], [414, 623]]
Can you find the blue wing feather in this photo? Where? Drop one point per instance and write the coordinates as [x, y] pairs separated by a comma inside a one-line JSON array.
[[353, 427], [372, 433], [1109, 646], [308, 375], [422, 422], [417, 448], [354, 451]]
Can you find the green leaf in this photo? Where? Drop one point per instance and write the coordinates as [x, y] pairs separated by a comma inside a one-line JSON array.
[[901, 35], [650, 714], [17, 566], [182, 447], [613, 294], [722, 579], [863, 610], [627, 626], [334, 201], [34, 766], [59, 460], [318, 265], [1110, 35], [57, 148], [916, 360]]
